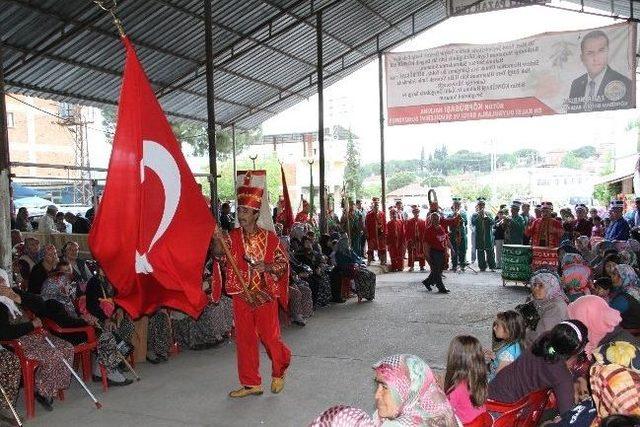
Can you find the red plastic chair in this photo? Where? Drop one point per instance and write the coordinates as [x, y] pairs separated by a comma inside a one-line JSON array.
[[526, 412], [83, 350], [482, 420]]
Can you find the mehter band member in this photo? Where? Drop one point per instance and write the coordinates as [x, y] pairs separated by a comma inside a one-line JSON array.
[[257, 276]]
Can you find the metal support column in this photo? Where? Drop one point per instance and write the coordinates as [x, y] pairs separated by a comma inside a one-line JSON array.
[[233, 151], [211, 114], [323, 190], [5, 198], [383, 181]]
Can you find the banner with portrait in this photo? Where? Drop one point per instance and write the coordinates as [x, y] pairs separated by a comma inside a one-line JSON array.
[[550, 73]]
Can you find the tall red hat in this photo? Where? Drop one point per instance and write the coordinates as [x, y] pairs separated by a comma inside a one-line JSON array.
[[250, 197]]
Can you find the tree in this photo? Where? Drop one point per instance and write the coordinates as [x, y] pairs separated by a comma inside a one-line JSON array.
[[570, 160], [399, 180], [195, 134], [584, 152], [433, 181], [528, 156], [422, 163], [469, 189], [603, 193], [226, 187], [352, 172]]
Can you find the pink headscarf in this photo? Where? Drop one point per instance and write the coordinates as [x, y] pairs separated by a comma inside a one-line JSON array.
[[598, 317], [343, 416]]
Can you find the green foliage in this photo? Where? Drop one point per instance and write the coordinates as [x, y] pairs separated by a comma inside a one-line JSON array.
[[352, 172], [584, 152], [469, 189], [527, 156], [603, 193], [571, 160], [195, 134], [399, 180], [370, 191], [433, 181]]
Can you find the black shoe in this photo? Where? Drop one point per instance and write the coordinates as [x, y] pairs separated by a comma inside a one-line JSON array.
[[119, 383], [153, 361], [299, 323], [46, 402], [443, 291], [427, 286]]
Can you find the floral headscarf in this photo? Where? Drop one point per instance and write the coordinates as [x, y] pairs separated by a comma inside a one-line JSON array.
[[551, 284], [575, 275], [597, 316], [582, 243], [413, 385], [633, 245], [343, 416], [629, 280], [628, 257]]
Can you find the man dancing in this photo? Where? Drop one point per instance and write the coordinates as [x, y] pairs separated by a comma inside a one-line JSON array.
[[257, 277]]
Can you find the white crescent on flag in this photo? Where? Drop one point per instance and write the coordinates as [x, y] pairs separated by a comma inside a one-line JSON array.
[[158, 159]]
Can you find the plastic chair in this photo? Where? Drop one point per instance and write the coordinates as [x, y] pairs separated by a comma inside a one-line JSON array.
[[526, 412], [28, 368], [482, 420], [83, 350]]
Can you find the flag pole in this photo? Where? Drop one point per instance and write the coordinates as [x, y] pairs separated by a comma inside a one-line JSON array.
[[111, 9]]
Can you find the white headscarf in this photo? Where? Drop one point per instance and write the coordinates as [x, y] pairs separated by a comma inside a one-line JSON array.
[[8, 302]]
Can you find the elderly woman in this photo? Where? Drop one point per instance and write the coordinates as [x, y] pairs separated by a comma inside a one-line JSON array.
[[81, 273], [51, 375], [582, 245], [575, 277], [624, 296], [549, 301], [41, 270], [350, 265], [408, 394], [58, 287]]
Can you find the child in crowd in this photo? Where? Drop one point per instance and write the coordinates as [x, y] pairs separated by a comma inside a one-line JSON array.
[[465, 381], [508, 334], [598, 228]]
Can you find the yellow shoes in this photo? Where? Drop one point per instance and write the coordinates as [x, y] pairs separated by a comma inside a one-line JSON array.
[[247, 391], [277, 385]]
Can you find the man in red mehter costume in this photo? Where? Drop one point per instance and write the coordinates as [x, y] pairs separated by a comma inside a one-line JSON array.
[[305, 214], [414, 236], [395, 240], [545, 231], [264, 269], [376, 224]]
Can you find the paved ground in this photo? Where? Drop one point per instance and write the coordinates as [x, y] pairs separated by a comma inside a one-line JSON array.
[[331, 364]]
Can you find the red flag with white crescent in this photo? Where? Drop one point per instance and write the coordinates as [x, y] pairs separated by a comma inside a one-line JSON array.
[[152, 228]]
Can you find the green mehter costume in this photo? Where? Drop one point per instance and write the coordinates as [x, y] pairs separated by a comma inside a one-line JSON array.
[[458, 236], [514, 226], [483, 224], [356, 228]]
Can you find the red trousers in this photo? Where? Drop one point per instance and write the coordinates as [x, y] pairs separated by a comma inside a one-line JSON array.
[[413, 257], [263, 323]]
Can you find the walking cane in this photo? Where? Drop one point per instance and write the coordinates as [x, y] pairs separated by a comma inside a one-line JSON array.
[[128, 365], [13, 411], [95, 401]]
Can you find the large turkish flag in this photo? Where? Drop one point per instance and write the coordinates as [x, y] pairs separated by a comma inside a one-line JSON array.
[[152, 228]]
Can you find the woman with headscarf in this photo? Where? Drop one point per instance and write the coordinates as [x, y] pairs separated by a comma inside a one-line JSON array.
[[575, 277], [343, 416], [51, 375], [624, 296], [549, 301], [408, 395], [614, 390], [350, 265], [582, 245], [10, 376]]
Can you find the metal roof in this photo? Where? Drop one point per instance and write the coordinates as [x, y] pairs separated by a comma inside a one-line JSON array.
[[264, 51]]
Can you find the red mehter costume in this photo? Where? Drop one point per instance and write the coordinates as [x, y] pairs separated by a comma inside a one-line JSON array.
[[256, 312], [545, 232], [375, 223], [395, 243], [414, 236]]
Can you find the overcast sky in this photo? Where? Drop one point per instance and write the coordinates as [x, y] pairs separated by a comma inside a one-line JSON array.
[[543, 133]]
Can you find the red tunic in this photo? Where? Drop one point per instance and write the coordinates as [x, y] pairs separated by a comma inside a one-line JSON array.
[[375, 223], [415, 236], [302, 217], [395, 241], [545, 232], [436, 237]]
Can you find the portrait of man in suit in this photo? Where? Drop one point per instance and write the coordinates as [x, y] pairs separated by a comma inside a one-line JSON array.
[[601, 87]]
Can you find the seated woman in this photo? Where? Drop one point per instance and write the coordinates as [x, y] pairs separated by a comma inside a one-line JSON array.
[[41, 270], [10, 376], [317, 279], [543, 366], [81, 273], [349, 265], [625, 295], [549, 301], [408, 394], [52, 375], [582, 245], [575, 278], [58, 287], [214, 324]]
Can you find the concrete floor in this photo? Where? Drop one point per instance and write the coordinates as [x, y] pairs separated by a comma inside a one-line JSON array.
[[331, 362]]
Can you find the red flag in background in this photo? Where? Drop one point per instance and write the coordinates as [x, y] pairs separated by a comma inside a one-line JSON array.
[[152, 228], [287, 211]]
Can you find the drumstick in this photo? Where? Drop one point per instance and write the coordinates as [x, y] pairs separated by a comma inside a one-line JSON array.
[[13, 411], [236, 270]]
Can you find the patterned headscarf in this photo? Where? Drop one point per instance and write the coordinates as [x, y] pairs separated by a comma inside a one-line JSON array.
[[628, 257], [615, 390], [633, 245], [582, 243], [597, 316], [343, 416], [551, 283], [571, 258], [413, 385], [629, 280]]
